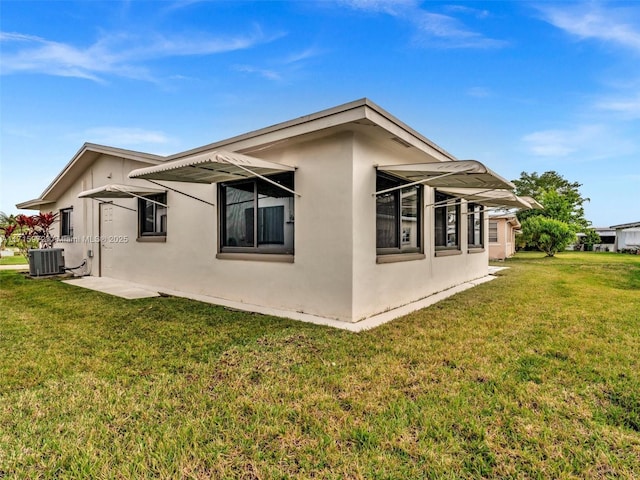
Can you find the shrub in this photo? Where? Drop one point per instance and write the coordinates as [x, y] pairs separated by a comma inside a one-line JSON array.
[[547, 234]]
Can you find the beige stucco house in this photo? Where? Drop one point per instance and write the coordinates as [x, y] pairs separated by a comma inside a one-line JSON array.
[[503, 228], [343, 214]]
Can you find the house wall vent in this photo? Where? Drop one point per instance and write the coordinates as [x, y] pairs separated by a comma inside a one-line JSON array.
[[46, 261]]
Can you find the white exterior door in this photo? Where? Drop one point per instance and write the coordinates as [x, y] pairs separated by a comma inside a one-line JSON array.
[[106, 247]]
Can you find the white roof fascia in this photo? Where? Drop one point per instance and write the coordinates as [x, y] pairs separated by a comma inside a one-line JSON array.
[[102, 149], [625, 225], [32, 204], [92, 148], [363, 109], [401, 130]]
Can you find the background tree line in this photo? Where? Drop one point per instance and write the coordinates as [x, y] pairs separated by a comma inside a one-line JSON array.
[[554, 227]]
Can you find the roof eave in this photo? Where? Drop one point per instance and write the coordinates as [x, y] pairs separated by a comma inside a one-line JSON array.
[[625, 225], [32, 204], [96, 149], [358, 110]]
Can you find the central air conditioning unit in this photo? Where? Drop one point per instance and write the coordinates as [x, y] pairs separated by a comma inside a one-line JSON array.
[[46, 261]]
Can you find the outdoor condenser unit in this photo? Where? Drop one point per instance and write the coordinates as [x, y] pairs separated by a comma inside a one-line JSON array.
[[46, 261]]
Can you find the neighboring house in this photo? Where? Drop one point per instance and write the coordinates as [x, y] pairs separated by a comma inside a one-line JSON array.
[[503, 228], [627, 237], [607, 239], [342, 214]]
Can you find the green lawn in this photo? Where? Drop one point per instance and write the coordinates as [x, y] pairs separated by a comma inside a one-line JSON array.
[[533, 375], [15, 260]]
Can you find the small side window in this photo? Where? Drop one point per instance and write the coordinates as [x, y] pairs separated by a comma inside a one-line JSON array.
[[475, 226], [66, 222], [398, 217], [493, 232], [447, 222], [152, 215]]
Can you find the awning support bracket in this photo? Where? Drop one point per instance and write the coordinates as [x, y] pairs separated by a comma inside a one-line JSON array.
[[459, 197], [242, 167], [419, 182], [110, 202], [181, 193], [147, 199]]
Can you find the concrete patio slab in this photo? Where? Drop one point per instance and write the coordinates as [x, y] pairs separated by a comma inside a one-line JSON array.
[[112, 286]]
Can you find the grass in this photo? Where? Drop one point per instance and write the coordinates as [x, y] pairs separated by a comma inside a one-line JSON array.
[[15, 260], [533, 375]]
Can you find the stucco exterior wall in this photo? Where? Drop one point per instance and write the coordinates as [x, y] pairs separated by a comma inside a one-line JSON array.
[[103, 171], [505, 247], [379, 287], [318, 282], [334, 273]]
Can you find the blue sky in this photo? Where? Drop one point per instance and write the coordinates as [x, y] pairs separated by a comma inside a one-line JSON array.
[[520, 86]]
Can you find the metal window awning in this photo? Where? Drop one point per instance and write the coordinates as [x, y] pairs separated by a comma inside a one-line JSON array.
[[489, 198], [118, 191], [214, 167], [115, 190], [453, 174]]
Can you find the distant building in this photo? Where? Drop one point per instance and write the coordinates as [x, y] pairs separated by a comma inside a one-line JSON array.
[[607, 239], [627, 237], [503, 228]]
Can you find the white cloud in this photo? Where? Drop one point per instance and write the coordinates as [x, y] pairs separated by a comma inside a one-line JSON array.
[[479, 92], [114, 54], [580, 143], [550, 143], [302, 55], [468, 10], [431, 29], [285, 66], [628, 107], [121, 136], [390, 7], [262, 72], [620, 26]]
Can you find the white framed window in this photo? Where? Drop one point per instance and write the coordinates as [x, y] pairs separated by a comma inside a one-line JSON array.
[[493, 232]]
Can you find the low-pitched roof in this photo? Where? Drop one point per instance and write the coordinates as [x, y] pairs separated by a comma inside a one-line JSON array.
[[626, 225], [361, 115], [362, 112], [84, 157]]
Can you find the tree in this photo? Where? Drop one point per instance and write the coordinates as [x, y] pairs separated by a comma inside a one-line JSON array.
[[560, 198], [589, 239], [547, 234]]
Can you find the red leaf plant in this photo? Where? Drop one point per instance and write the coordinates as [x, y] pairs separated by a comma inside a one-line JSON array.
[[35, 230]]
